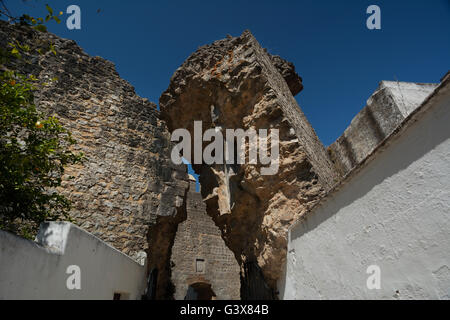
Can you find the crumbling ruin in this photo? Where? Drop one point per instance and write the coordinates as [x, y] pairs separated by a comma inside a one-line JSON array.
[[130, 194], [234, 83]]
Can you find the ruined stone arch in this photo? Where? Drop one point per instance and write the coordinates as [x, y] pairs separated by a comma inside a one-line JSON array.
[[231, 84], [200, 289]]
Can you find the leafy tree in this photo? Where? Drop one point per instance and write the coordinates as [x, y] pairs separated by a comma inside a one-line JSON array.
[[34, 149]]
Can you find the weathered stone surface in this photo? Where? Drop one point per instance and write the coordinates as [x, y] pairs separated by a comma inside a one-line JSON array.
[[287, 71], [231, 84], [391, 103], [199, 254], [127, 192]]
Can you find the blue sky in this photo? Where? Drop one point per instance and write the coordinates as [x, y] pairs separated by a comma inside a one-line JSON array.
[[340, 60]]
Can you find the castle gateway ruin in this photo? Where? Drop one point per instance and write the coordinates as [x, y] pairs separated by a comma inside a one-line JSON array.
[[234, 83], [228, 241]]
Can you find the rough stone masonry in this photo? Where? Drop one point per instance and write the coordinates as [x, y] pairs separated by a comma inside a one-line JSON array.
[[234, 83], [199, 254]]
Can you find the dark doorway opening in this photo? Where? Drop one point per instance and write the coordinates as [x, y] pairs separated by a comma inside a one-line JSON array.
[[150, 293], [253, 284], [200, 291]]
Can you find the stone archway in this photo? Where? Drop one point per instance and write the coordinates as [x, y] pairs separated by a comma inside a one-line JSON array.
[[200, 291]]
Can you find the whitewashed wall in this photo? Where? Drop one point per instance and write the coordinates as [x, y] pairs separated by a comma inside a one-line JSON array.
[[37, 270], [394, 212]]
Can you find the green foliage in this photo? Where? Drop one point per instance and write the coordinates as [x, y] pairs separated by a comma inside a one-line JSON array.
[[38, 23], [34, 150], [25, 19]]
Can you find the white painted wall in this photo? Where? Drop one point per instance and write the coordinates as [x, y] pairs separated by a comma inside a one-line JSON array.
[[394, 213], [37, 270], [407, 95]]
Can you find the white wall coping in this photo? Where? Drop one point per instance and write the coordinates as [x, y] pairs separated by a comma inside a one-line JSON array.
[[406, 123], [39, 269]]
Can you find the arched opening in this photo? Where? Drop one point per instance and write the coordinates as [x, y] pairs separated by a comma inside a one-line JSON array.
[[200, 291]]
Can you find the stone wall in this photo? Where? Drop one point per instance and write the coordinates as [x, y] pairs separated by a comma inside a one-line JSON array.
[[199, 254], [127, 192]]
